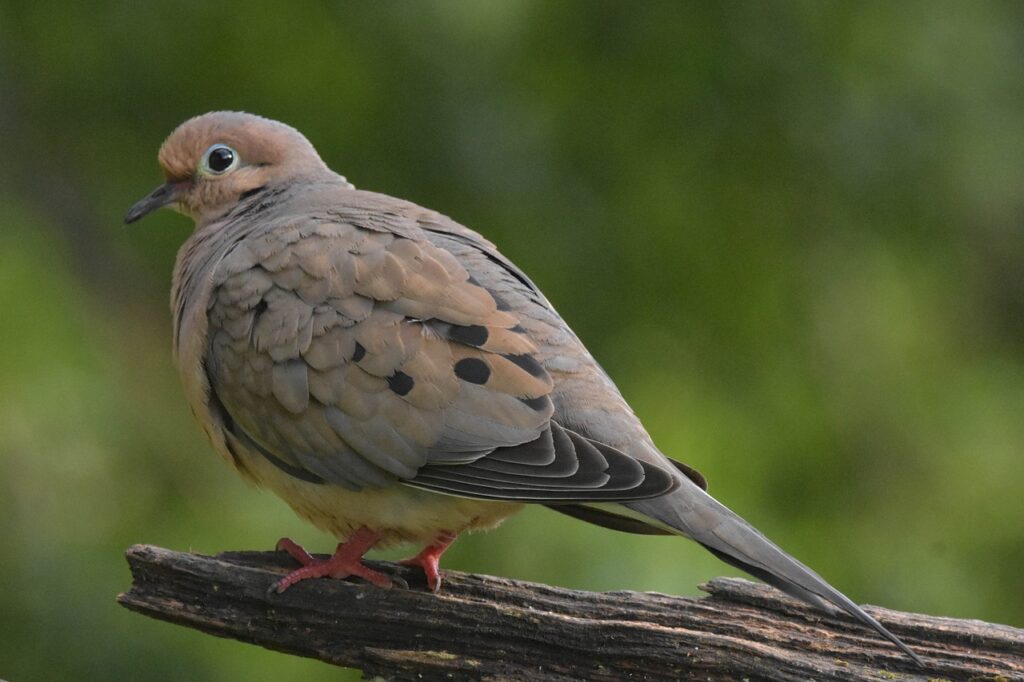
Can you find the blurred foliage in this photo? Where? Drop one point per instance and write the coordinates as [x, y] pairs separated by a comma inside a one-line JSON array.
[[791, 231]]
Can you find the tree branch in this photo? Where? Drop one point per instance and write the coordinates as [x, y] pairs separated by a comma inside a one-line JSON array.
[[485, 627]]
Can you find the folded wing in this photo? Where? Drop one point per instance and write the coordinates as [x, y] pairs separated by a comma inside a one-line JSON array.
[[352, 355]]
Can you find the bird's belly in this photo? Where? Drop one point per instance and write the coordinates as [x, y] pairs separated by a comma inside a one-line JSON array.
[[398, 513]]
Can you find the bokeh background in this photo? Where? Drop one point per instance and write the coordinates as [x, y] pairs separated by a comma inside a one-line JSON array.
[[792, 232]]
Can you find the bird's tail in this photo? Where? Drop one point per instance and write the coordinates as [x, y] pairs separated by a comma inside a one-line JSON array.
[[692, 512]]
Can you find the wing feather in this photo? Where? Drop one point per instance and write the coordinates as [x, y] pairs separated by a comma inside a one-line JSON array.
[[348, 354]]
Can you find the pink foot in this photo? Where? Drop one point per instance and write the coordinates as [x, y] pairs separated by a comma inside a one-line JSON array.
[[347, 561], [430, 557]]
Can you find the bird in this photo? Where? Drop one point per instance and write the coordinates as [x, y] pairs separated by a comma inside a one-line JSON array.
[[395, 379]]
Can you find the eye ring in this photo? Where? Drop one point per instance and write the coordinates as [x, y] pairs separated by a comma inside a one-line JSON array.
[[219, 159]]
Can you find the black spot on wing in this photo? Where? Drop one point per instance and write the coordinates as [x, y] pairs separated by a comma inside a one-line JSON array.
[[527, 363], [401, 383], [359, 353], [473, 370], [472, 335]]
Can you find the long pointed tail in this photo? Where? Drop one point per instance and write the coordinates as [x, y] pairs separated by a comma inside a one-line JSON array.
[[693, 513]]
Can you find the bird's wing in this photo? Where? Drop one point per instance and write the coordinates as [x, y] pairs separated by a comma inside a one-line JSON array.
[[586, 399], [350, 353]]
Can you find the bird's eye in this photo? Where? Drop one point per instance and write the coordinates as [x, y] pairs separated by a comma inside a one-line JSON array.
[[219, 159]]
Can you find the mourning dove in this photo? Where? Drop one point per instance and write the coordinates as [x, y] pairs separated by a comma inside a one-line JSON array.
[[394, 378]]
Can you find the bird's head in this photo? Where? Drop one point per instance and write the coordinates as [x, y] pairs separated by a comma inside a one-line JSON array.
[[212, 161]]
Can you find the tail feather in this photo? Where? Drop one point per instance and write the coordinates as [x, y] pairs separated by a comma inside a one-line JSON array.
[[763, 575], [693, 513]]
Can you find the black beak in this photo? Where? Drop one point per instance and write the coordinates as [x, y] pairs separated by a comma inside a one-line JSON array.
[[163, 195]]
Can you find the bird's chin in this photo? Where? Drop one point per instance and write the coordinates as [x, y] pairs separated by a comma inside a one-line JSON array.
[[184, 210]]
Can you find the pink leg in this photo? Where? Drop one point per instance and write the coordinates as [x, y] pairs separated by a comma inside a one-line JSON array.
[[347, 561], [429, 558]]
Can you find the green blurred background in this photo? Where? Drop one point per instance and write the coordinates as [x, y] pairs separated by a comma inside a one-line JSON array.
[[792, 232]]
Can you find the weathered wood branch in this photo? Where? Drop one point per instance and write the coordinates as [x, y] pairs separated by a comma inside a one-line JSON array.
[[482, 627]]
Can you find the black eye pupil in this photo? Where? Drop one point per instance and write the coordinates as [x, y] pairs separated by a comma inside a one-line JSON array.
[[220, 159]]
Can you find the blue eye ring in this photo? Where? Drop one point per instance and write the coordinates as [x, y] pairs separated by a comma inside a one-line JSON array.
[[219, 159]]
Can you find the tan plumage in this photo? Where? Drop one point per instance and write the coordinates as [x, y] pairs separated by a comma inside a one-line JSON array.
[[393, 377]]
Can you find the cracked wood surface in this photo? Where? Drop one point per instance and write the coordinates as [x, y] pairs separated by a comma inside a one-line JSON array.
[[487, 628]]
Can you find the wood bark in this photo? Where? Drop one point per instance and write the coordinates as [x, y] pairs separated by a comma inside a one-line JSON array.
[[486, 628]]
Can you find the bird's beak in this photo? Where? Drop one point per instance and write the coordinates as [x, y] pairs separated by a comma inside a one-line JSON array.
[[165, 194]]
